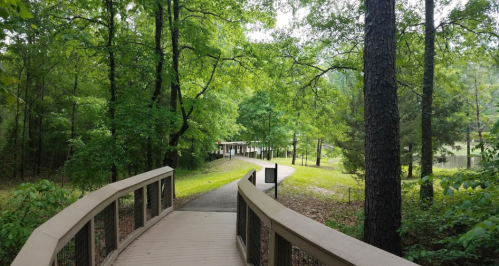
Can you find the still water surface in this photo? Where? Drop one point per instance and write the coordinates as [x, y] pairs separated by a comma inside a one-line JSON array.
[[458, 161]]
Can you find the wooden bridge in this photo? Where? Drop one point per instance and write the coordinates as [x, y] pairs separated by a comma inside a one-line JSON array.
[[132, 222]]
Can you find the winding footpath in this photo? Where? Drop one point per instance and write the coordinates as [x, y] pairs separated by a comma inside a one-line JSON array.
[[224, 199]]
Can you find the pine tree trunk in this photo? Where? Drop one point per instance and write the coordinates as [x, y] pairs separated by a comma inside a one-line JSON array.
[[23, 143], [295, 141], [382, 141], [409, 170], [40, 129], [112, 80], [294, 149], [319, 152], [171, 156], [16, 128], [426, 192], [73, 115], [478, 125], [159, 78], [468, 147]]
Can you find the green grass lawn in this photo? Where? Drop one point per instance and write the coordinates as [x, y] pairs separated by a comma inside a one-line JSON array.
[[214, 175], [325, 182]]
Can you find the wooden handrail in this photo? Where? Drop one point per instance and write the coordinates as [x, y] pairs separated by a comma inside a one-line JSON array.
[[287, 228], [78, 218]]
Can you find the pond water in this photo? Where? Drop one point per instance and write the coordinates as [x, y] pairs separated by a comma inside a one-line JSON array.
[[457, 161]]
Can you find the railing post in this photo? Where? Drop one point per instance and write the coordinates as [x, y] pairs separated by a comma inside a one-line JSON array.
[[158, 192], [91, 241], [272, 248], [173, 187], [254, 178], [144, 205], [116, 224]]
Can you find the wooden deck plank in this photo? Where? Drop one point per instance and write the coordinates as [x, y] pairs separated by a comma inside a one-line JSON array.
[[186, 238]]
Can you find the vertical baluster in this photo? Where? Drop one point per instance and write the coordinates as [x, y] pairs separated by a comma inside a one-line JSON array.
[[284, 250]]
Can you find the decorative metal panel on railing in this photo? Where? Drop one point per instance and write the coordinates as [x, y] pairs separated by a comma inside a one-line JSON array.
[[270, 234], [96, 228]]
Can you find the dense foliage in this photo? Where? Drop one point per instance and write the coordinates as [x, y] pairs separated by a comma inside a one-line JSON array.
[[30, 205]]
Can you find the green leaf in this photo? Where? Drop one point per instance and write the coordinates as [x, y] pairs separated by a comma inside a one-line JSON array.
[[466, 185], [23, 12], [466, 204], [11, 100], [34, 26], [449, 192], [478, 232]]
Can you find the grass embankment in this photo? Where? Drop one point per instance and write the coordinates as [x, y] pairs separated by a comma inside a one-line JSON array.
[[323, 183], [190, 184], [322, 194]]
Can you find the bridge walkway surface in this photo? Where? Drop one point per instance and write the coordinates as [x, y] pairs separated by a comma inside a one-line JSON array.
[[186, 238], [203, 232]]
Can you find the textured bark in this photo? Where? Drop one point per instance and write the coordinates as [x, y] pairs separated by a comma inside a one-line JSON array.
[[73, 115], [381, 120], [468, 147], [468, 129], [112, 79], [319, 152], [159, 78], [16, 127], [409, 170], [426, 192], [171, 156], [478, 125], [295, 141], [23, 143]]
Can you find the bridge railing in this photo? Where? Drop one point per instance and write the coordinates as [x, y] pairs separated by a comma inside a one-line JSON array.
[[270, 234], [95, 229]]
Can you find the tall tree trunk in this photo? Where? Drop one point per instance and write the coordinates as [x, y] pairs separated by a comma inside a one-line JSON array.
[[478, 125], [23, 143], [112, 80], [159, 79], [468, 146], [269, 149], [382, 137], [73, 113], [294, 149], [319, 152], [468, 128], [409, 170], [40, 129], [16, 126], [171, 156], [426, 192], [295, 141]]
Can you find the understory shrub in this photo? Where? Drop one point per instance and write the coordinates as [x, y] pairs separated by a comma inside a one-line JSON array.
[[30, 205]]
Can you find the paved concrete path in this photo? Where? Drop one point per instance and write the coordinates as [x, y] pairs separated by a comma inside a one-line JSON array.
[[224, 199]]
